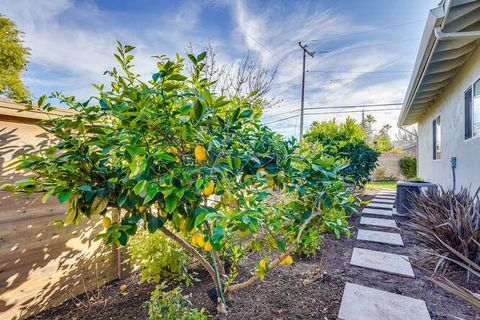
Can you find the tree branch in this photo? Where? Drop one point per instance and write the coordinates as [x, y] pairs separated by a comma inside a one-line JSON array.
[[194, 253], [276, 262]]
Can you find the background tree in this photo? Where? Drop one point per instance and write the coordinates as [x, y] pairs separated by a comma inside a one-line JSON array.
[[13, 60], [382, 140], [367, 125], [248, 79], [345, 141]]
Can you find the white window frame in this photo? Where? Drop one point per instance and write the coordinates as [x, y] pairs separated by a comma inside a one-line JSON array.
[[437, 155], [472, 87]]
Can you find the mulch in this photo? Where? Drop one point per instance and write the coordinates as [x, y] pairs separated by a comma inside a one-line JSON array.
[[311, 288]]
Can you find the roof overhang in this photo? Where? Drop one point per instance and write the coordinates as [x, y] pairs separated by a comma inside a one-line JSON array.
[[451, 34]]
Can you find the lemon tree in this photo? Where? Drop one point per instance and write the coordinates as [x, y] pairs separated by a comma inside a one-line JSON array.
[[169, 155]]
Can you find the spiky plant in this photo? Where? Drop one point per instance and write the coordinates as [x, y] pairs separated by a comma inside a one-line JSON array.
[[449, 223]]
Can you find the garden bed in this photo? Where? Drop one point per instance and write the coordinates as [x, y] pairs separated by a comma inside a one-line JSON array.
[[309, 289]]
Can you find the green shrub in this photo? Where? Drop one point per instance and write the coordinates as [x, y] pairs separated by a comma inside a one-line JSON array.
[[172, 305], [345, 141], [408, 166], [159, 258]]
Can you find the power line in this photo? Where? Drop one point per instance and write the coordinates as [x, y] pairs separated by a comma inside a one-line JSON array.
[[342, 107], [341, 35], [361, 72], [353, 111], [275, 121], [357, 106], [331, 112]]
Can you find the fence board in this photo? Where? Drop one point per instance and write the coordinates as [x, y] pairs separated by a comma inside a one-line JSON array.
[[40, 265]]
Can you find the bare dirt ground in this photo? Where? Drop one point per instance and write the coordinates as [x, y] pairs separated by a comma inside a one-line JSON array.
[[309, 289]]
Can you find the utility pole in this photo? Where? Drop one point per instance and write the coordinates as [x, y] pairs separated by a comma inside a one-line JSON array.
[[305, 52]]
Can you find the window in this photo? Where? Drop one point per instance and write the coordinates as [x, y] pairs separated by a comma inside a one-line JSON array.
[[437, 138], [468, 113], [472, 111]]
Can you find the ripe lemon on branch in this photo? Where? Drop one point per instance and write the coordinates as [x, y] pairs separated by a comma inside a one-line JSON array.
[[208, 191], [200, 153], [106, 222], [288, 260], [208, 246]]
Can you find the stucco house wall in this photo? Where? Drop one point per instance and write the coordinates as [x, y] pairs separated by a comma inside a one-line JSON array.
[[450, 105]]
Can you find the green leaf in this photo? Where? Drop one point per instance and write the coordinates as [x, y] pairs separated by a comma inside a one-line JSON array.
[[201, 56], [170, 203], [154, 223], [198, 110], [99, 204], [123, 238], [85, 188], [217, 236], [128, 48], [152, 190], [41, 101], [192, 58], [26, 182], [64, 195], [161, 155], [122, 198], [245, 114], [177, 77], [135, 151], [140, 188]]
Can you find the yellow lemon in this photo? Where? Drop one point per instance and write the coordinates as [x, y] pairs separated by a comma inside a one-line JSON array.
[[141, 209], [194, 239], [262, 264], [288, 260], [200, 240], [106, 222], [207, 247], [208, 191], [156, 205], [200, 153]]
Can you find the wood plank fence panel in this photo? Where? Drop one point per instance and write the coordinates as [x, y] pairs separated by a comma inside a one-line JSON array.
[[41, 265]]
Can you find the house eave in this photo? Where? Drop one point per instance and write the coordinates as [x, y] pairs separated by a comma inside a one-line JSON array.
[[449, 38]]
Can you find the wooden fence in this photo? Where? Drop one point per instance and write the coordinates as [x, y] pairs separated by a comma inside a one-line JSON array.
[[41, 265]]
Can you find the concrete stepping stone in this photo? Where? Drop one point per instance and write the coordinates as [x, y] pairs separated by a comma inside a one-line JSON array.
[[383, 200], [380, 237], [382, 261], [364, 303], [374, 204], [380, 212], [388, 223], [387, 191], [385, 196]]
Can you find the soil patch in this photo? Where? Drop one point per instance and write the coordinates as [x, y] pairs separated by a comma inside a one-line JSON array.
[[311, 288]]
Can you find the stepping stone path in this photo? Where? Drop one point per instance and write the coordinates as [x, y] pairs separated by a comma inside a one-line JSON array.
[[375, 204], [379, 200], [377, 222], [380, 237], [379, 212], [364, 303], [382, 261]]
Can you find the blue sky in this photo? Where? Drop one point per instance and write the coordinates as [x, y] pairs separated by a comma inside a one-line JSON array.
[[372, 45]]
